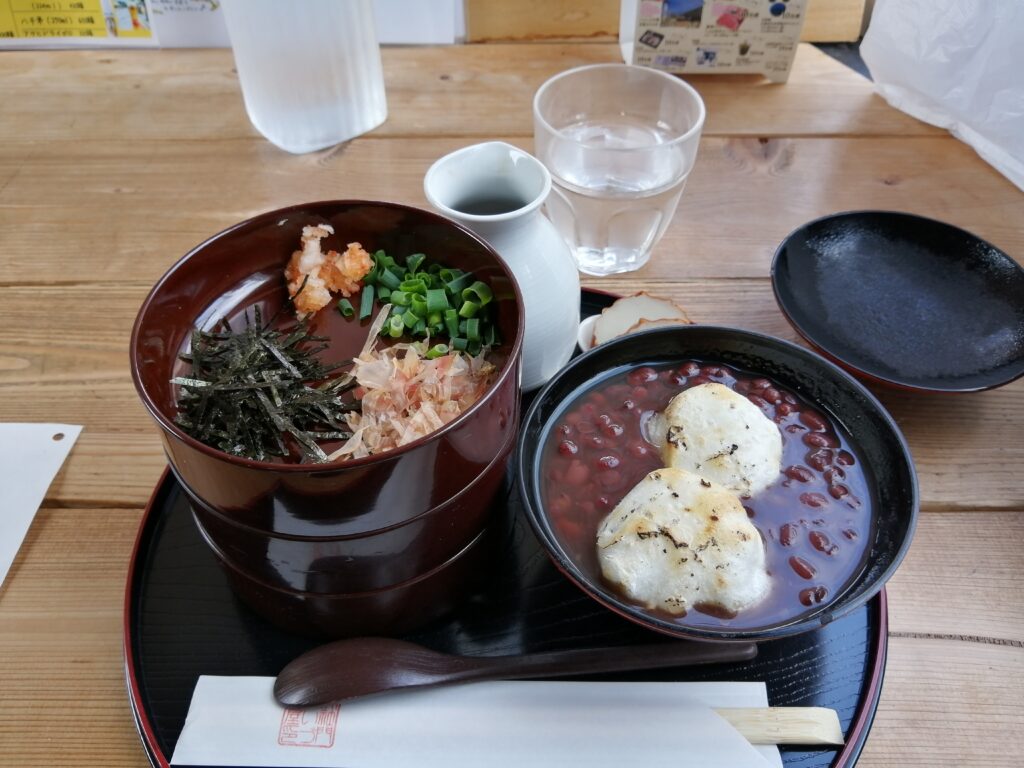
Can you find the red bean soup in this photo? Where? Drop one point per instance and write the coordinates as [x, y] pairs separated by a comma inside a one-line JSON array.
[[815, 519]]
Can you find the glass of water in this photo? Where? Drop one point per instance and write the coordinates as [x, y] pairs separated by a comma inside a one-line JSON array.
[[619, 142]]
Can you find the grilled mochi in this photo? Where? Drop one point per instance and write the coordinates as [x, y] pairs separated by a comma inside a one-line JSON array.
[[677, 540], [720, 435]]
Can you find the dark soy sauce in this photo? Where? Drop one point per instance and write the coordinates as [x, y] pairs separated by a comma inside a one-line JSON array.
[[490, 204]]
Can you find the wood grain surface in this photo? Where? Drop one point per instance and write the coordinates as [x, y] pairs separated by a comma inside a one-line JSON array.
[[113, 164]]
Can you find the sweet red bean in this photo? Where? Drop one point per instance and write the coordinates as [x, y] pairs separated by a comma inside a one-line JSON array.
[[757, 400], [795, 428], [741, 387], [788, 534], [771, 394], [784, 409], [598, 399], [570, 529], [696, 381], [618, 391], [815, 500], [851, 534], [819, 440], [610, 479], [628, 405], [689, 368], [638, 393], [790, 398], [561, 504], [594, 442], [845, 458], [814, 420], [586, 427], [603, 502], [821, 542], [642, 376], [796, 472], [713, 371], [820, 458], [749, 511], [838, 491], [639, 450], [612, 430], [563, 430], [802, 568], [568, 448], [577, 473], [813, 595], [833, 475], [760, 384], [675, 378], [611, 461], [589, 410]]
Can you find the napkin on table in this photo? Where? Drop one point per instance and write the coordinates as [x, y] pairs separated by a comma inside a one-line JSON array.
[[30, 457], [235, 721]]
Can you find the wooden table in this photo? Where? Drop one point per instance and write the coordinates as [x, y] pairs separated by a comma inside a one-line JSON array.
[[114, 164]]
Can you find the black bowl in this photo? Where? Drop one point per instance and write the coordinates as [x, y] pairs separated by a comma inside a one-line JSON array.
[[811, 377], [904, 301]]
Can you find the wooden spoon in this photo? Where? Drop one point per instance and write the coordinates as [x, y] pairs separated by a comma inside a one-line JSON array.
[[349, 669]]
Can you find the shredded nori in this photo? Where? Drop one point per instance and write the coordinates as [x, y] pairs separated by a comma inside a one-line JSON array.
[[248, 389]]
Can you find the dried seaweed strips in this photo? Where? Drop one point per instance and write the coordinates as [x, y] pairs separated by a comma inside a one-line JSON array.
[[249, 389]]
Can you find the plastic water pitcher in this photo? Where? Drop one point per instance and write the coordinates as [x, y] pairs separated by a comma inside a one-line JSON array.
[[310, 71]]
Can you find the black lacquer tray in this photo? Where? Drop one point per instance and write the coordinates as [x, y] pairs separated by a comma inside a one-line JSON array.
[[182, 621]]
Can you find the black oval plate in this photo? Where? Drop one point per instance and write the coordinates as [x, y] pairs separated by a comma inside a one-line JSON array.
[[182, 621], [904, 300]]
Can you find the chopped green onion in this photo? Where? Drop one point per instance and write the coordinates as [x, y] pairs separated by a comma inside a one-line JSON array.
[[438, 350], [474, 348], [410, 318], [390, 279], [384, 294], [346, 308], [420, 329], [366, 302], [458, 284], [473, 329], [418, 304], [451, 322], [480, 291], [491, 335], [437, 300], [396, 326], [413, 262], [414, 285], [400, 298], [459, 343], [469, 309]]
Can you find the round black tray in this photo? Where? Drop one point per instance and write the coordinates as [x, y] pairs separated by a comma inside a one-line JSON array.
[[181, 621]]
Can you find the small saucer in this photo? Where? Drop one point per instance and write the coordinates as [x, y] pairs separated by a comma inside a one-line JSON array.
[[905, 301]]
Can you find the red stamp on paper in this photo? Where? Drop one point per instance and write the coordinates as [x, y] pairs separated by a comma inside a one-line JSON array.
[[309, 727]]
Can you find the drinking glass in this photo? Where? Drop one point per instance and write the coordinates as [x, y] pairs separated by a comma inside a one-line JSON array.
[[619, 141], [310, 72]]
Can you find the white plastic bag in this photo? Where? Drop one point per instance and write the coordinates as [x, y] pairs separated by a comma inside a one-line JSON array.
[[957, 64]]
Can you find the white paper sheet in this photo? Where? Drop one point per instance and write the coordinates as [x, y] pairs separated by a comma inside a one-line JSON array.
[[235, 721], [30, 456]]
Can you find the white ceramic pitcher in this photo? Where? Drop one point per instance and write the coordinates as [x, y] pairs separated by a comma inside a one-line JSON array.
[[497, 191]]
